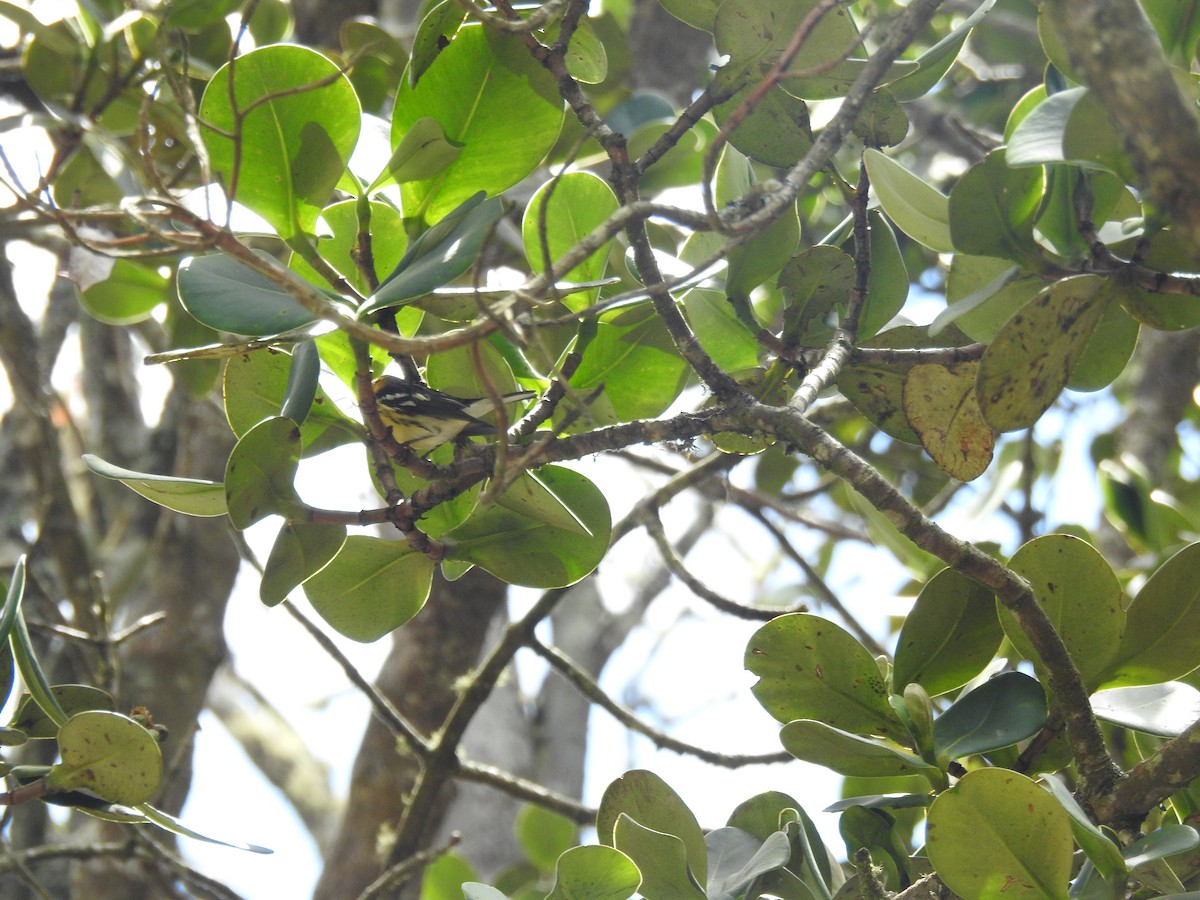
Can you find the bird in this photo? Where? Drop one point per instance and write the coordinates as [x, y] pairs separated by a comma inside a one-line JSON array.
[[421, 418]]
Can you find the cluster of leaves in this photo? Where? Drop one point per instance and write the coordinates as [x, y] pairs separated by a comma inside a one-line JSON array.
[[356, 261]]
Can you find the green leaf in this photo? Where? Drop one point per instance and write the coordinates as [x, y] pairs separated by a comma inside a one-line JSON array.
[[170, 823], [937, 60], [1080, 594], [32, 673], [942, 407], [777, 131], [31, 717], [190, 496], [949, 636], [1108, 350], [570, 205], [1104, 853], [130, 293], [634, 359], [108, 755], [697, 13], [299, 552], [14, 594], [875, 830], [1070, 126], [297, 118], [439, 255], [738, 859], [487, 92], [661, 859], [444, 877], [816, 284], [260, 472], [1161, 638], [254, 389], [437, 25], [526, 550], [594, 872], [1165, 841], [544, 835], [1161, 709], [996, 834], [887, 284], [225, 294], [642, 797], [771, 811], [849, 754], [301, 387], [993, 209], [422, 153], [371, 587], [810, 668], [982, 293], [918, 209], [1025, 368], [719, 330], [999, 713], [338, 243], [532, 497]]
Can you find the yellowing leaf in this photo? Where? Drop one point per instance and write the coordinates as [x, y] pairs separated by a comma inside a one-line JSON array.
[[942, 407]]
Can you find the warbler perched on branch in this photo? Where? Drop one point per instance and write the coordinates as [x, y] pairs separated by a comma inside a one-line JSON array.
[[421, 418]]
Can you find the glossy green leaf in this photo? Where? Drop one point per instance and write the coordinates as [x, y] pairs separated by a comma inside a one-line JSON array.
[[1026, 367], [761, 257], [299, 552], [109, 755], [1161, 709], [301, 387], [439, 22], [1080, 594], [586, 57], [949, 636], [32, 673], [197, 14], [1161, 638], [1070, 126], [937, 60], [130, 293], [882, 121], [371, 587], [298, 119], [544, 835], [633, 357], [522, 549], [1104, 853], [594, 872], [568, 208], [887, 284], [1165, 841], [883, 801], [660, 858], [942, 407], [642, 797], [439, 255], [848, 754], [982, 293], [737, 859], [993, 208], [915, 207], [810, 668], [254, 389], [487, 92], [1178, 27], [996, 834], [477, 891], [13, 596], [190, 496], [224, 294], [260, 472], [338, 243], [533, 497], [771, 811], [999, 713], [1109, 349]]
